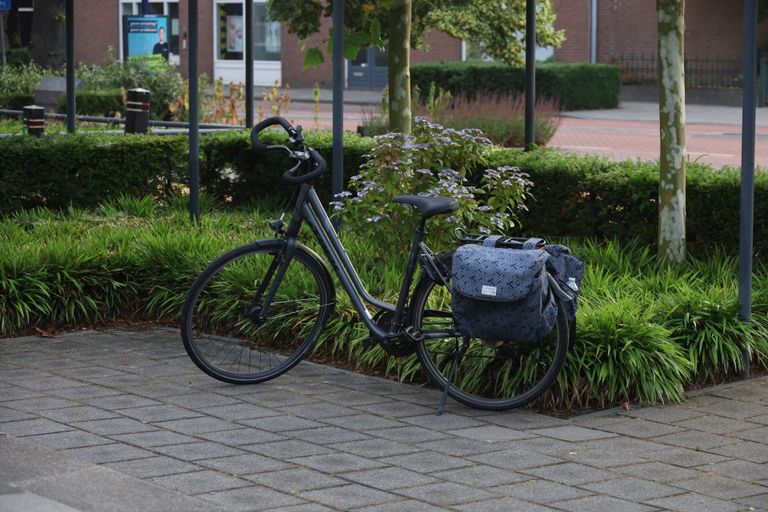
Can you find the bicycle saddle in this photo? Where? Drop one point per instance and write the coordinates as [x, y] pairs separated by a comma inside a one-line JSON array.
[[429, 206]]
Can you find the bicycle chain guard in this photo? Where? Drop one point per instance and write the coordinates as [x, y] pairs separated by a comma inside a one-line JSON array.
[[399, 346]]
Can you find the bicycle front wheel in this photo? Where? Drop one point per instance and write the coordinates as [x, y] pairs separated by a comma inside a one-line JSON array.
[[487, 375], [221, 328]]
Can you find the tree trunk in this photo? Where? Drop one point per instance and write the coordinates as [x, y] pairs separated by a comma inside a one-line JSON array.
[[400, 66], [671, 26], [47, 46]]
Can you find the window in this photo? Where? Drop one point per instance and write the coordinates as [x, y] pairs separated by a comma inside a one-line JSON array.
[[231, 32], [266, 35]]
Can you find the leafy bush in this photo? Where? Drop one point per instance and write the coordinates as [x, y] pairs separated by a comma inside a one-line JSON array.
[[575, 86], [98, 102], [135, 258], [17, 56], [434, 161], [501, 117], [17, 84]]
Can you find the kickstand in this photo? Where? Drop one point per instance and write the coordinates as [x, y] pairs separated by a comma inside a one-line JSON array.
[[451, 374]]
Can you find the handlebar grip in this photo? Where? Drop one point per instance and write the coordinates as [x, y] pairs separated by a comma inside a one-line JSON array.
[[320, 165], [258, 146]]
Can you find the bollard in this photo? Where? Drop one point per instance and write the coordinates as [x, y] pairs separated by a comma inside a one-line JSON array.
[[137, 111], [34, 120]]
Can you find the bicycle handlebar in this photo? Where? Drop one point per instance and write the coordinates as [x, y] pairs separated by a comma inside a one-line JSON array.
[[292, 175]]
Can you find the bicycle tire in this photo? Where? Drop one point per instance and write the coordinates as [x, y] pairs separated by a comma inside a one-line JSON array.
[[489, 387], [215, 314]]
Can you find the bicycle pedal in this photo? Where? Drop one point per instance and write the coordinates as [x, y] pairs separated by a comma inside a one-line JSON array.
[[414, 334]]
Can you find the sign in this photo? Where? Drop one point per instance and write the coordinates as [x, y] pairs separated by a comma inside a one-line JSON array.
[[234, 33], [146, 37], [5, 5]]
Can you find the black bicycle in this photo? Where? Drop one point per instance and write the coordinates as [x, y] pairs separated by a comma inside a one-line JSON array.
[[258, 310]]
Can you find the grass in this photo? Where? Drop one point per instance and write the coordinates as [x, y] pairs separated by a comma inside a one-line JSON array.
[[645, 331]]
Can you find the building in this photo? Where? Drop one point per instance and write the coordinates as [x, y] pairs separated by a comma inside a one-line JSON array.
[[277, 54]]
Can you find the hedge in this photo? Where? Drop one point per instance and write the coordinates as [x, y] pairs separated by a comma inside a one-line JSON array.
[[577, 86], [101, 102], [573, 195]]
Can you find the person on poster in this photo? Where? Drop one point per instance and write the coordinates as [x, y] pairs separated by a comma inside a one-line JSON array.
[[161, 47]]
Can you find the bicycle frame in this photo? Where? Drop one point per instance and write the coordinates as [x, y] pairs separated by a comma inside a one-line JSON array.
[[309, 208]]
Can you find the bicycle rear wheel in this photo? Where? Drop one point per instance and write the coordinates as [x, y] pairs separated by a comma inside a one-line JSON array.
[[492, 376], [221, 330]]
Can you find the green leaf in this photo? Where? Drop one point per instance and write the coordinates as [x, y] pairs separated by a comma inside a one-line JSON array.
[[354, 42], [313, 58], [376, 33]]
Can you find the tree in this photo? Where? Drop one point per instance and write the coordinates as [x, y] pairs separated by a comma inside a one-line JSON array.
[[48, 39], [372, 22], [671, 33]]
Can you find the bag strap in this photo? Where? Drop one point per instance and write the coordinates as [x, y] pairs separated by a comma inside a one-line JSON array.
[[532, 243], [491, 240]]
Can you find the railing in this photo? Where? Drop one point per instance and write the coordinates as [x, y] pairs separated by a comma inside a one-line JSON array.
[[714, 72]]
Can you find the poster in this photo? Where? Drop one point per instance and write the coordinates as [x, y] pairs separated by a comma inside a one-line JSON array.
[[146, 37], [234, 33]]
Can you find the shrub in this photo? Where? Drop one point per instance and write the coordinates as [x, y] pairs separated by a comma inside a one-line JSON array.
[[18, 56], [98, 102], [501, 117], [17, 84], [576, 86]]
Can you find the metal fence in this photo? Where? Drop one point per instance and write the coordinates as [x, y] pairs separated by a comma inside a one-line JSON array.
[[714, 72]]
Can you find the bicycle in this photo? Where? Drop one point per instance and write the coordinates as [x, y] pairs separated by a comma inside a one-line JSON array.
[[257, 311]]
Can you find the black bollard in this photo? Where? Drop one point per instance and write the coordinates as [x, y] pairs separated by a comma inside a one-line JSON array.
[[34, 120], [137, 111]]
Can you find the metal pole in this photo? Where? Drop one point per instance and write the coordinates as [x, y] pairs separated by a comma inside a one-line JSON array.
[[194, 121], [70, 28], [747, 170], [530, 73], [593, 32], [337, 180], [249, 63], [763, 80]]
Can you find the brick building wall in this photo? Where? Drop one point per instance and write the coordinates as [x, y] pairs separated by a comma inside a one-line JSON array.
[[293, 70], [97, 27], [573, 16], [205, 38], [440, 46]]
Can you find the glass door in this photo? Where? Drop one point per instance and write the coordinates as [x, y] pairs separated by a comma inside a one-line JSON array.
[[368, 70]]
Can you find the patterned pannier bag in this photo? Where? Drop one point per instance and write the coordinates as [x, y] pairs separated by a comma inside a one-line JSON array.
[[502, 294]]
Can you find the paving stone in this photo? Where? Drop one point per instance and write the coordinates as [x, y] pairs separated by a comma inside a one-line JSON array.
[[327, 435], [755, 502], [239, 411], [153, 438], [408, 434], [152, 467], [541, 491], [462, 446], [481, 476], [117, 402], [318, 410], [69, 439], [515, 459], [506, 504], [310, 507], [396, 409], [602, 504], [390, 478], [492, 433], [717, 486], [113, 426], [245, 464], [288, 449], [346, 497], [7, 414], [74, 414], [524, 420], [275, 398], [696, 440], [447, 493], [8, 393], [32, 427], [758, 435], [747, 450], [600, 457], [658, 471], [363, 422], [193, 426], [684, 457], [375, 448], [689, 502], [444, 422], [351, 398], [427, 461], [110, 453], [573, 433], [36, 405], [49, 382], [157, 413], [159, 390], [640, 428], [740, 468], [570, 473], [200, 400], [281, 423], [717, 424], [198, 451], [337, 462], [251, 498], [81, 392], [241, 437], [198, 482], [633, 489], [294, 480], [736, 409], [403, 506]]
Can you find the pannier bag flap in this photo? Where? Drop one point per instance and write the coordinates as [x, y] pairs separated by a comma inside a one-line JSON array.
[[498, 275]]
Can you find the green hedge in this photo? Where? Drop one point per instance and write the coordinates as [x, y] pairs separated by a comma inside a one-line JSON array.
[[577, 86], [102, 102], [573, 195]]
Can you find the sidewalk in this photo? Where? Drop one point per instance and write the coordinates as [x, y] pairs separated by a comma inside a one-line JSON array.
[[124, 421]]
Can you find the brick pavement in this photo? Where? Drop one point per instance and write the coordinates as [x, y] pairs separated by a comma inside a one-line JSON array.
[[124, 410]]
